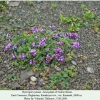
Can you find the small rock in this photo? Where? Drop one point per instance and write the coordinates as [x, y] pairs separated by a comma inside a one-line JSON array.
[[33, 78], [73, 62], [90, 69], [32, 83], [37, 74], [5, 62], [57, 68], [1, 73], [14, 3], [13, 85], [24, 75]]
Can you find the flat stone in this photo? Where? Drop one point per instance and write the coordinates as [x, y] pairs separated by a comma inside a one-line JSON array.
[[73, 62], [32, 78], [14, 3], [24, 75], [32, 83], [13, 85], [1, 73], [90, 69]]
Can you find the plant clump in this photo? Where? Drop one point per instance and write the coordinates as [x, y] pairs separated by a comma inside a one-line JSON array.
[[42, 47]]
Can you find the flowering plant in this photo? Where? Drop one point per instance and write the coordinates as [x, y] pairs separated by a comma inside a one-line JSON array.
[[41, 47]]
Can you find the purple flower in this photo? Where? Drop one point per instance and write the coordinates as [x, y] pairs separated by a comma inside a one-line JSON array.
[[52, 27], [59, 43], [55, 56], [7, 47], [48, 59], [42, 42], [13, 56], [54, 36], [35, 30], [33, 44], [15, 47], [58, 51], [33, 52], [72, 35], [61, 59], [32, 62], [22, 56], [76, 45], [41, 31]]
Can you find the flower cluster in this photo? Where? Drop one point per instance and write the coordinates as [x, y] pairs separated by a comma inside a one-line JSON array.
[[58, 51], [72, 35], [36, 30], [7, 47], [76, 45], [15, 47], [54, 36], [13, 56], [42, 48], [59, 43], [22, 56], [52, 27], [42, 42], [32, 62], [33, 52]]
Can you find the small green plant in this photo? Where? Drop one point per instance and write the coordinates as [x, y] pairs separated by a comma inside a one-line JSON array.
[[71, 71], [30, 3], [12, 77], [86, 87], [59, 81], [88, 19], [9, 76], [53, 5], [3, 7], [13, 27], [37, 11], [89, 46]]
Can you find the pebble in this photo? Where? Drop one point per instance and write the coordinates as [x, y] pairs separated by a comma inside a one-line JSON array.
[[73, 62], [90, 69], [32, 83], [1, 73], [37, 74], [5, 62], [57, 68], [33, 79]]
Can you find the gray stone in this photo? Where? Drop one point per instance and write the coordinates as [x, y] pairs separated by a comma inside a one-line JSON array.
[[14, 85], [5, 62], [32, 83], [37, 74], [32, 78], [24, 75], [90, 69], [73, 62], [1, 73], [14, 3]]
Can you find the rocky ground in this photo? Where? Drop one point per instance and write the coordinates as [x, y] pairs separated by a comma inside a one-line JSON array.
[[24, 16]]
